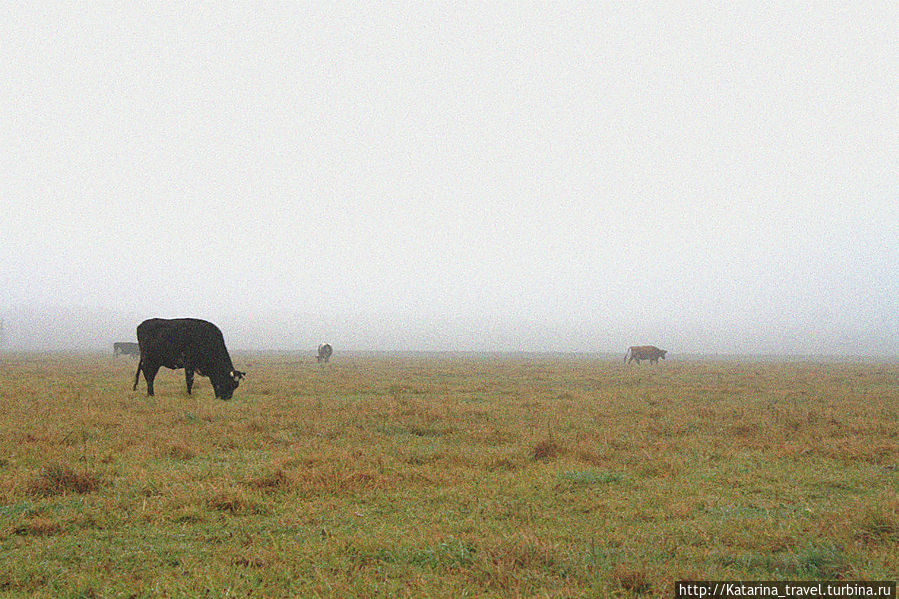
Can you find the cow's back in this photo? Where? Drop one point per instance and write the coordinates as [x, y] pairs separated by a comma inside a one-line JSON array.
[[186, 328], [173, 339]]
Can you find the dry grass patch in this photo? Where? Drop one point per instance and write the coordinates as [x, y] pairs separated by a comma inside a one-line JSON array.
[[632, 578], [548, 450], [233, 502], [273, 481], [38, 526], [59, 479], [178, 451], [877, 525], [524, 551]]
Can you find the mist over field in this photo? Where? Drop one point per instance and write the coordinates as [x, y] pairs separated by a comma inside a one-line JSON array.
[[80, 329], [519, 177]]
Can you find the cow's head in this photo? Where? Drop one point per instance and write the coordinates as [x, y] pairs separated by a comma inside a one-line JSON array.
[[662, 353], [225, 386]]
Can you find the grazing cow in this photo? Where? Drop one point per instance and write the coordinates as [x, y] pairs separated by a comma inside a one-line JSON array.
[[644, 352], [324, 353], [122, 348], [188, 343]]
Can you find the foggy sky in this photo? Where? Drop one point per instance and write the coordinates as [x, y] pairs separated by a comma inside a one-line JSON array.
[[496, 176]]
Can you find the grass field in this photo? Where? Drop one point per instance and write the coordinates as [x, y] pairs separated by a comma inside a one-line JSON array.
[[444, 477]]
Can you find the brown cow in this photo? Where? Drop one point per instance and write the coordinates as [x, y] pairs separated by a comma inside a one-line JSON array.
[[644, 352]]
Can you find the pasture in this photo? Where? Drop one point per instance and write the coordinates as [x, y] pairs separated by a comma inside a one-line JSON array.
[[444, 476]]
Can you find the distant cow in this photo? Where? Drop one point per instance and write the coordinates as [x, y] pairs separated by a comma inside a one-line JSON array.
[[324, 353], [123, 348], [188, 343], [644, 352]]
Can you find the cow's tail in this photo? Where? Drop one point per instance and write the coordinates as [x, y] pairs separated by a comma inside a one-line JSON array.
[[140, 365]]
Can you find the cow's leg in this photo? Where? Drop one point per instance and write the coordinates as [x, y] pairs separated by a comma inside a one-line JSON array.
[[189, 378], [150, 374], [140, 364]]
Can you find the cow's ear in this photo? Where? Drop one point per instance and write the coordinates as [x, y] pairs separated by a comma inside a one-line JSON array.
[[237, 375]]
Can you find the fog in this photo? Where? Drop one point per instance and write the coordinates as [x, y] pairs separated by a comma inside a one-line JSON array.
[[430, 176]]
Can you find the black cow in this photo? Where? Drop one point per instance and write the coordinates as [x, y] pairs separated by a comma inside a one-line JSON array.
[[324, 353], [123, 348], [188, 343], [644, 352]]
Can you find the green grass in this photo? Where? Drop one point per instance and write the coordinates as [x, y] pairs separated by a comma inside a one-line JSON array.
[[444, 477]]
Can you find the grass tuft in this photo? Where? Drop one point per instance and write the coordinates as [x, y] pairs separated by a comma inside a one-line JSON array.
[[276, 480], [249, 562], [38, 526], [826, 562], [234, 501], [59, 479], [547, 450], [633, 579], [876, 525], [180, 451]]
